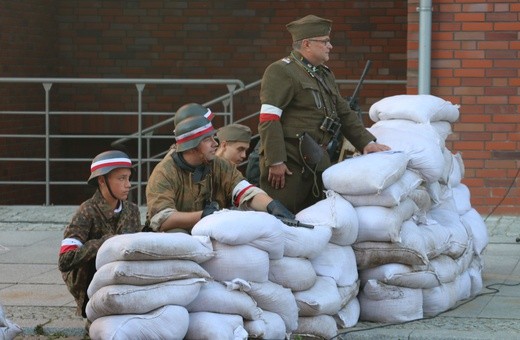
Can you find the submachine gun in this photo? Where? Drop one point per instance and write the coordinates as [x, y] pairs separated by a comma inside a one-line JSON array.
[[334, 126]]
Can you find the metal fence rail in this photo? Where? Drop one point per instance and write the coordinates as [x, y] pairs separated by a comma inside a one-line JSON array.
[[234, 87]]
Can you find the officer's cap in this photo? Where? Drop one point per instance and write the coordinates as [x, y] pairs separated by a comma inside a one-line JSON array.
[[309, 27], [234, 133]]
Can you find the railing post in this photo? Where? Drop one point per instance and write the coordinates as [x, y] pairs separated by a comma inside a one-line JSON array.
[[140, 88], [231, 88], [47, 88]]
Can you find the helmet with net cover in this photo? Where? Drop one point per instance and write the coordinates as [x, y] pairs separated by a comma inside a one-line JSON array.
[[192, 110], [191, 131], [107, 161]]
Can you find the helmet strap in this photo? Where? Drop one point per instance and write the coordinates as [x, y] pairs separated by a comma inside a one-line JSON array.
[[108, 187]]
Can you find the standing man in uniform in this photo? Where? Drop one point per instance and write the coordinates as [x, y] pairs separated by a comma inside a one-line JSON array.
[[233, 142], [301, 110], [193, 183], [105, 214]]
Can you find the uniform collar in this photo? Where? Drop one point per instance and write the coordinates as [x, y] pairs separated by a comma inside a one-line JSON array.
[[103, 205], [302, 60], [197, 172]]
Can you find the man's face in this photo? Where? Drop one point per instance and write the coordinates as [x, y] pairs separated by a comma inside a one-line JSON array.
[[318, 49], [235, 152], [207, 148]]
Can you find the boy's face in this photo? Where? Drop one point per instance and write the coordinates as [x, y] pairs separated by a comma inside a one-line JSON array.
[[235, 152], [119, 181]]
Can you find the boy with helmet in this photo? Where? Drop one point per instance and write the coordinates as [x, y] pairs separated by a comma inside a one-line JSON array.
[[105, 214], [193, 183]]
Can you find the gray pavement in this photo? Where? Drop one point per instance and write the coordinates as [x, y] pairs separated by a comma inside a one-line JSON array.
[[35, 298]]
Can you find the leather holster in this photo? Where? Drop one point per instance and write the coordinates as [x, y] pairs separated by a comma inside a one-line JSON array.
[[311, 152]]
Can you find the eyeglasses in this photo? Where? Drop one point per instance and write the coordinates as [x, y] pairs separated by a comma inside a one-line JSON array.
[[323, 41]]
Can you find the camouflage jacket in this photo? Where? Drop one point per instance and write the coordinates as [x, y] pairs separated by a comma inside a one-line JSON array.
[[172, 188], [93, 223]]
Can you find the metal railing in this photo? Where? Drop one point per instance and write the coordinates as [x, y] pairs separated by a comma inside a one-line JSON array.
[[140, 133], [234, 87]]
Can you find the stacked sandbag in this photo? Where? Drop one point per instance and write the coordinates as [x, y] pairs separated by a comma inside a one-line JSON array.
[[331, 302], [434, 255], [245, 243], [144, 282], [8, 329]]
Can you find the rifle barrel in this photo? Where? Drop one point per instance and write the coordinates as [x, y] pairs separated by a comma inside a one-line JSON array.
[[360, 82]]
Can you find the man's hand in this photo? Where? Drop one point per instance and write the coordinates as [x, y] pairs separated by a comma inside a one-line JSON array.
[[375, 147], [277, 175], [209, 209], [278, 210]]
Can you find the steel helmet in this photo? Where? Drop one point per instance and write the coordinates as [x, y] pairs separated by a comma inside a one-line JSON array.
[[192, 110], [191, 131], [107, 161]]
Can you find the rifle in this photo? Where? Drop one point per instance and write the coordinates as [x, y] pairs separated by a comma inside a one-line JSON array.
[[295, 223], [332, 147]]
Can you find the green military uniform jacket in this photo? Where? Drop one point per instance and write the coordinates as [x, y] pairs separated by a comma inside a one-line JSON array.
[[93, 223], [295, 89]]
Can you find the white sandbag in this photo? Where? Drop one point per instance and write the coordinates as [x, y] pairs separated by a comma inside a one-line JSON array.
[[475, 274], [142, 273], [384, 303], [128, 299], [419, 141], [322, 298], [154, 246], [338, 263], [443, 129], [460, 239], [348, 316], [336, 213], [458, 170], [271, 297], [437, 239], [242, 261], [215, 297], [235, 227], [305, 242], [463, 286], [473, 221], [211, 326], [365, 174], [391, 196], [348, 293], [422, 199], [420, 108], [8, 329], [320, 326], [439, 299], [270, 326], [397, 274], [168, 322], [295, 273], [445, 267], [461, 196], [383, 224]]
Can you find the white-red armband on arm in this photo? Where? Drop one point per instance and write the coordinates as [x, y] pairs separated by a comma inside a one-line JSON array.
[[244, 191], [69, 244], [269, 112]]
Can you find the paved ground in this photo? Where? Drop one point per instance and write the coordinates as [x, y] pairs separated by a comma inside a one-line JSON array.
[[35, 298]]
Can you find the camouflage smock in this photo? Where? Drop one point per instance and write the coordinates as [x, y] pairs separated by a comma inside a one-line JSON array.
[[93, 223], [171, 188]]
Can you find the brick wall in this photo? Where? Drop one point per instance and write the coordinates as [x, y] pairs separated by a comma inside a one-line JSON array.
[[182, 39], [27, 41], [475, 63]]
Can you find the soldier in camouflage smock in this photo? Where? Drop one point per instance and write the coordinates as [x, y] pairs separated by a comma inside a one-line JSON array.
[[193, 183], [299, 95], [105, 214]]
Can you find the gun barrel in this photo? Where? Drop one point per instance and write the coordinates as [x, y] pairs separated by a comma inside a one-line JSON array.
[[360, 82]]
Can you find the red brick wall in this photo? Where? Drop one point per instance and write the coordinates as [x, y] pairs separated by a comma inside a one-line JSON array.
[[475, 63], [27, 39], [182, 39]]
